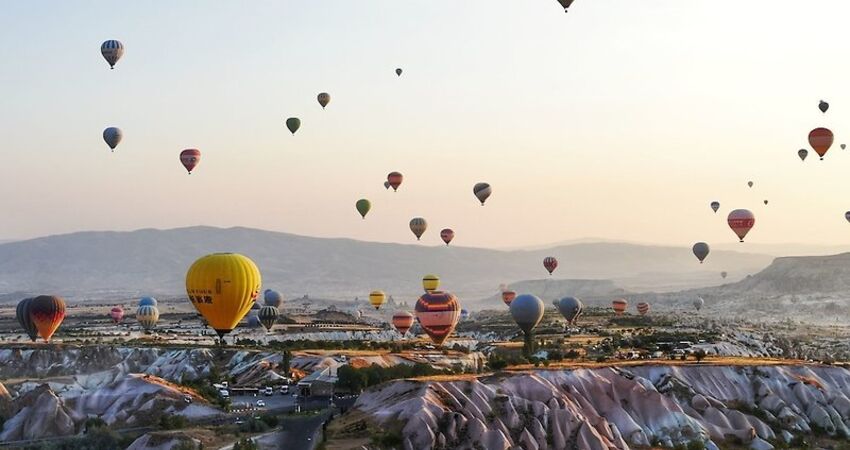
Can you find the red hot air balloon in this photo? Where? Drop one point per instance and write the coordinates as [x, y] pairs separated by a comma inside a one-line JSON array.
[[447, 234], [47, 313], [821, 139], [741, 221], [395, 179], [550, 263], [116, 313], [402, 321], [619, 306], [508, 296], [438, 313], [643, 308], [190, 158]]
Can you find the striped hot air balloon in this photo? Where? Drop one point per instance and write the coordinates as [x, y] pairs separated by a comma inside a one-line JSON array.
[[550, 263], [482, 192], [112, 51], [619, 306], [508, 296], [147, 316], [47, 313], [116, 314], [402, 321], [418, 226], [22, 313], [268, 316], [741, 221], [377, 299], [190, 159], [438, 313], [430, 283], [643, 308]]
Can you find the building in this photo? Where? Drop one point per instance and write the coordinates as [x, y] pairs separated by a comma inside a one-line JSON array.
[[318, 384]]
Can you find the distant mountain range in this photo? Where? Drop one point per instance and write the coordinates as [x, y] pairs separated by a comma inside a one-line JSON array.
[[104, 265]]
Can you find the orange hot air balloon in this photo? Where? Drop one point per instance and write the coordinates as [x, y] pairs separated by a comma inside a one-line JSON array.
[[741, 221], [402, 321], [508, 297], [821, 139], [190, 158], [395, 179], [438, 313], [47, 313], [643, 308], [619, 306], [447, 234]]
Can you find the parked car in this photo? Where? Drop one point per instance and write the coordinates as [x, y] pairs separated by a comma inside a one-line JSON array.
[[187, 398], [261, 404]]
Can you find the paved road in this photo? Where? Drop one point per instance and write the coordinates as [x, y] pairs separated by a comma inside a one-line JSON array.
[[300, 432]]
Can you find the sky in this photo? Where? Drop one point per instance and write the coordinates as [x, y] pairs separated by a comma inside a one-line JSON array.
[[619, 120]]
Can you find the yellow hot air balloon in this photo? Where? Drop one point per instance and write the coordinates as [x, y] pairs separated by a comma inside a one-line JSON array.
[[222, 287], [430, 283], [377, 298]]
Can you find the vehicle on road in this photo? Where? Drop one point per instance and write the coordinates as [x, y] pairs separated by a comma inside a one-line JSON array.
[[268, 391], [261, 404]]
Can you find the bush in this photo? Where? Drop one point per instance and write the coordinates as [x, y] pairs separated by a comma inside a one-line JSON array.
[[355, 380], [172, 422], [246, 444], [387, 440]]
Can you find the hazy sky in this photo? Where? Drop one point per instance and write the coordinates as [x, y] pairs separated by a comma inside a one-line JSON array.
[[622, 119]]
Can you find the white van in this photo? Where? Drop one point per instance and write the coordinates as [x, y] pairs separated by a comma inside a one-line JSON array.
[[224, 394], [268, 391]]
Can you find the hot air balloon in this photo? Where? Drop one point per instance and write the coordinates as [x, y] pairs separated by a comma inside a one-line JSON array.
[[508, 297], [47, 312], [418, 226], [324, 98], [272, 297], [464, 315], [715, 206], [765, 202], [699, 303], [256, 306], [402, 321], [268, 316], [643, 308], [112, 136], [619, 306], [550, 263], [112, 51], [571, 308], [527, 311], [22, 313], [386, 184], [843, 146], [437, 313], [823, 106], [293, 124], [190, 158], [430, 283], [724, 274], [149, 301], [802, 153], [363, 206], [701, 250], [394, 179], [447, 234], [377, 299], [750, 183], [566, 4], [222, 287], [741, 221], [147, 316], [253, 320], [821, 139], [847, 216], [482, 191], [398, 71], [116, 314]]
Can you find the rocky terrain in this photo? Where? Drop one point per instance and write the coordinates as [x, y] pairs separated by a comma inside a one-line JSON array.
[[612, 408]]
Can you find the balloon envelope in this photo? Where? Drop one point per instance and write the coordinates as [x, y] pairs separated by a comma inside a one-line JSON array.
[[464, 314], [363, 206], [750, 183], [394, 179], [112, 136], [437, 313], [190, 158], [430, 283], [398, 71], [571, 308], [508, 296], [150, 301], [47, 312], [700, 250], [550, 263], [268, 316], [482, 192], [741, 221], [418, 226], [802, 153], [116, 314], [821, 139], [715, 206], [527, 311], [823, 106], [724, 274], [112, 51], [324, 98], [619, 306], [147, 316], [377, 298], [643, 308], [402, 321], [272, 297], [699, 303], [222, 287], [566, 4], [293, 124], [22, 313], [447, 234]]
